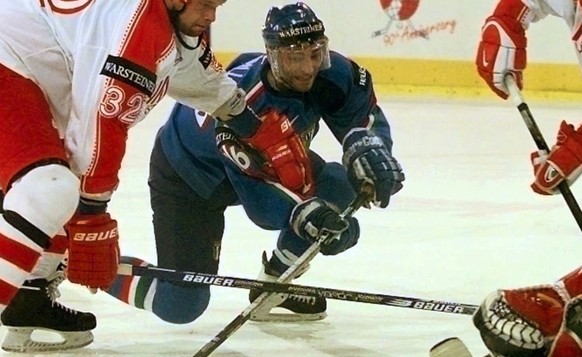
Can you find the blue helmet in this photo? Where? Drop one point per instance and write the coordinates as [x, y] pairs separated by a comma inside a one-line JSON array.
[[291, 25]]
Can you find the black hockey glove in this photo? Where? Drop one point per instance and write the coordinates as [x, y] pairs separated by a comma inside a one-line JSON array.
[[316, 218], [369, 163]]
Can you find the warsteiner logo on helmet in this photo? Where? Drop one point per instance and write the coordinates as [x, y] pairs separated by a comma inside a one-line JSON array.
[[302, 30]]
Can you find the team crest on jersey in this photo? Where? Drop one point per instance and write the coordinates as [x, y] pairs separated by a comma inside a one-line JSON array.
[[130, 73], [66, 7]]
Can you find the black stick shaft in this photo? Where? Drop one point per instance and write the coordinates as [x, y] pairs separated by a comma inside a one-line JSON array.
[[334, 294], [538, 138], [287, 276]]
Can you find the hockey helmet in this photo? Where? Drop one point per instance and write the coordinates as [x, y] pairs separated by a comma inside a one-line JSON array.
[[294, 27], [291, 25]]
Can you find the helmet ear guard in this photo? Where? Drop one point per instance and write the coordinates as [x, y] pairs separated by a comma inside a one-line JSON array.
[[293, 27]]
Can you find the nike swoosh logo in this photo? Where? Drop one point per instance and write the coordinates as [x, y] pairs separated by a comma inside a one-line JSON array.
[[200, 117], [485, 63], [550, 174]]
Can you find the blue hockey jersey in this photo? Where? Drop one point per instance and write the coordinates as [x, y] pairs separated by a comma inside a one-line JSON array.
[[342, 96]]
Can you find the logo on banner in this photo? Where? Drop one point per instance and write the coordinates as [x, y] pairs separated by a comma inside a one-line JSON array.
[[400, 27], [399, 12]]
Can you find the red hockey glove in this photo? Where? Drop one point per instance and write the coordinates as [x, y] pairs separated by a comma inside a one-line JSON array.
[[502, 49], [563, 161], [284, 151], [93, 250]]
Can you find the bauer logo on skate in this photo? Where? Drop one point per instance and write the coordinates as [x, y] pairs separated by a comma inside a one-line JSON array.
[[400, 27]]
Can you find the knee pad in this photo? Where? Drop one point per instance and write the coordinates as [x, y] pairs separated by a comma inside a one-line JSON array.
[[46, 197], [180, 304]]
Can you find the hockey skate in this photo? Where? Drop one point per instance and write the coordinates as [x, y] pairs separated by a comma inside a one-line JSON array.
[[34, 308], [293, 307]]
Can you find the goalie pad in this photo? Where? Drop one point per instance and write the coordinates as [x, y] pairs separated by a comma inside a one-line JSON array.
[[569, 339], [505, 332]]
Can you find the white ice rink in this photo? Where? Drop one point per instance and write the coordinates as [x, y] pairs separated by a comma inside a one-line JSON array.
[[465, 223]]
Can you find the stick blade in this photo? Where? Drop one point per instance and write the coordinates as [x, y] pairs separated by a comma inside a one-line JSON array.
[[450, 347]]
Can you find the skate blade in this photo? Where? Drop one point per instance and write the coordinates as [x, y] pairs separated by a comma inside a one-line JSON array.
[[287, 317], [20, 340], [450, 347]]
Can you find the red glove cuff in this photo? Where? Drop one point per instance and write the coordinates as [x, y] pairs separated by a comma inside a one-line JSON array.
[[93, 250], [563, 162], [283, 149]]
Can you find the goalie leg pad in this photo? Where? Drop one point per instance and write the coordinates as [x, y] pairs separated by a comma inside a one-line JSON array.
[[569, 339]]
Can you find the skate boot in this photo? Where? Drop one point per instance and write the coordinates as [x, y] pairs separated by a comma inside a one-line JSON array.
[[521, 322], [35, 308], [294, 307]]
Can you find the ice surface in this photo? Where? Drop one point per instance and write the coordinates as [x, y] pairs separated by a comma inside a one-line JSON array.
[[466, 223]]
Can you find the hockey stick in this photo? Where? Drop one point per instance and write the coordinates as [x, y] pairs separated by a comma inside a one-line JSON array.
[[536, 134], [299, 265], [334, 294]]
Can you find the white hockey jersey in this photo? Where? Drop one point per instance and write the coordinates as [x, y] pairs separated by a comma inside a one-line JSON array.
[[103, 64], [569, 10]]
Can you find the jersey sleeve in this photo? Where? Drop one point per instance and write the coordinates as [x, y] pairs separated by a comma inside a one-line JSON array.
[[561, 8], [200, 81], [349, 100], [116, 80]]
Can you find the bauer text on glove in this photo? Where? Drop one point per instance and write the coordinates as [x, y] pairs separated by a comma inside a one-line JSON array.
[[93, 250]]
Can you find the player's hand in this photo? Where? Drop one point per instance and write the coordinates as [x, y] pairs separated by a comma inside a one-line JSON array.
[[370, 164], [281, 146], [317, 218], [564, 161], [93, 250], [502, 49]]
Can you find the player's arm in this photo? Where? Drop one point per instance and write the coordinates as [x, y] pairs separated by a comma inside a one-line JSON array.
[[202, 84], [274, 152], [356, 120], [111, 91]]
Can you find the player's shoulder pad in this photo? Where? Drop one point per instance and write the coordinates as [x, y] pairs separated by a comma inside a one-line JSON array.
[[242, 59], [345, 73]]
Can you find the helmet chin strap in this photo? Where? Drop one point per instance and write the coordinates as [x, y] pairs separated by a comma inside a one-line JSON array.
[[174, 14]]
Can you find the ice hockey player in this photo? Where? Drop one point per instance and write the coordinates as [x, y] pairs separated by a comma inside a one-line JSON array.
[[543, 320], [292, 87], [76, 75]]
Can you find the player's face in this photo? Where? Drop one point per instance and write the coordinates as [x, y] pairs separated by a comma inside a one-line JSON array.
[[197, 16], [299, 67]]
